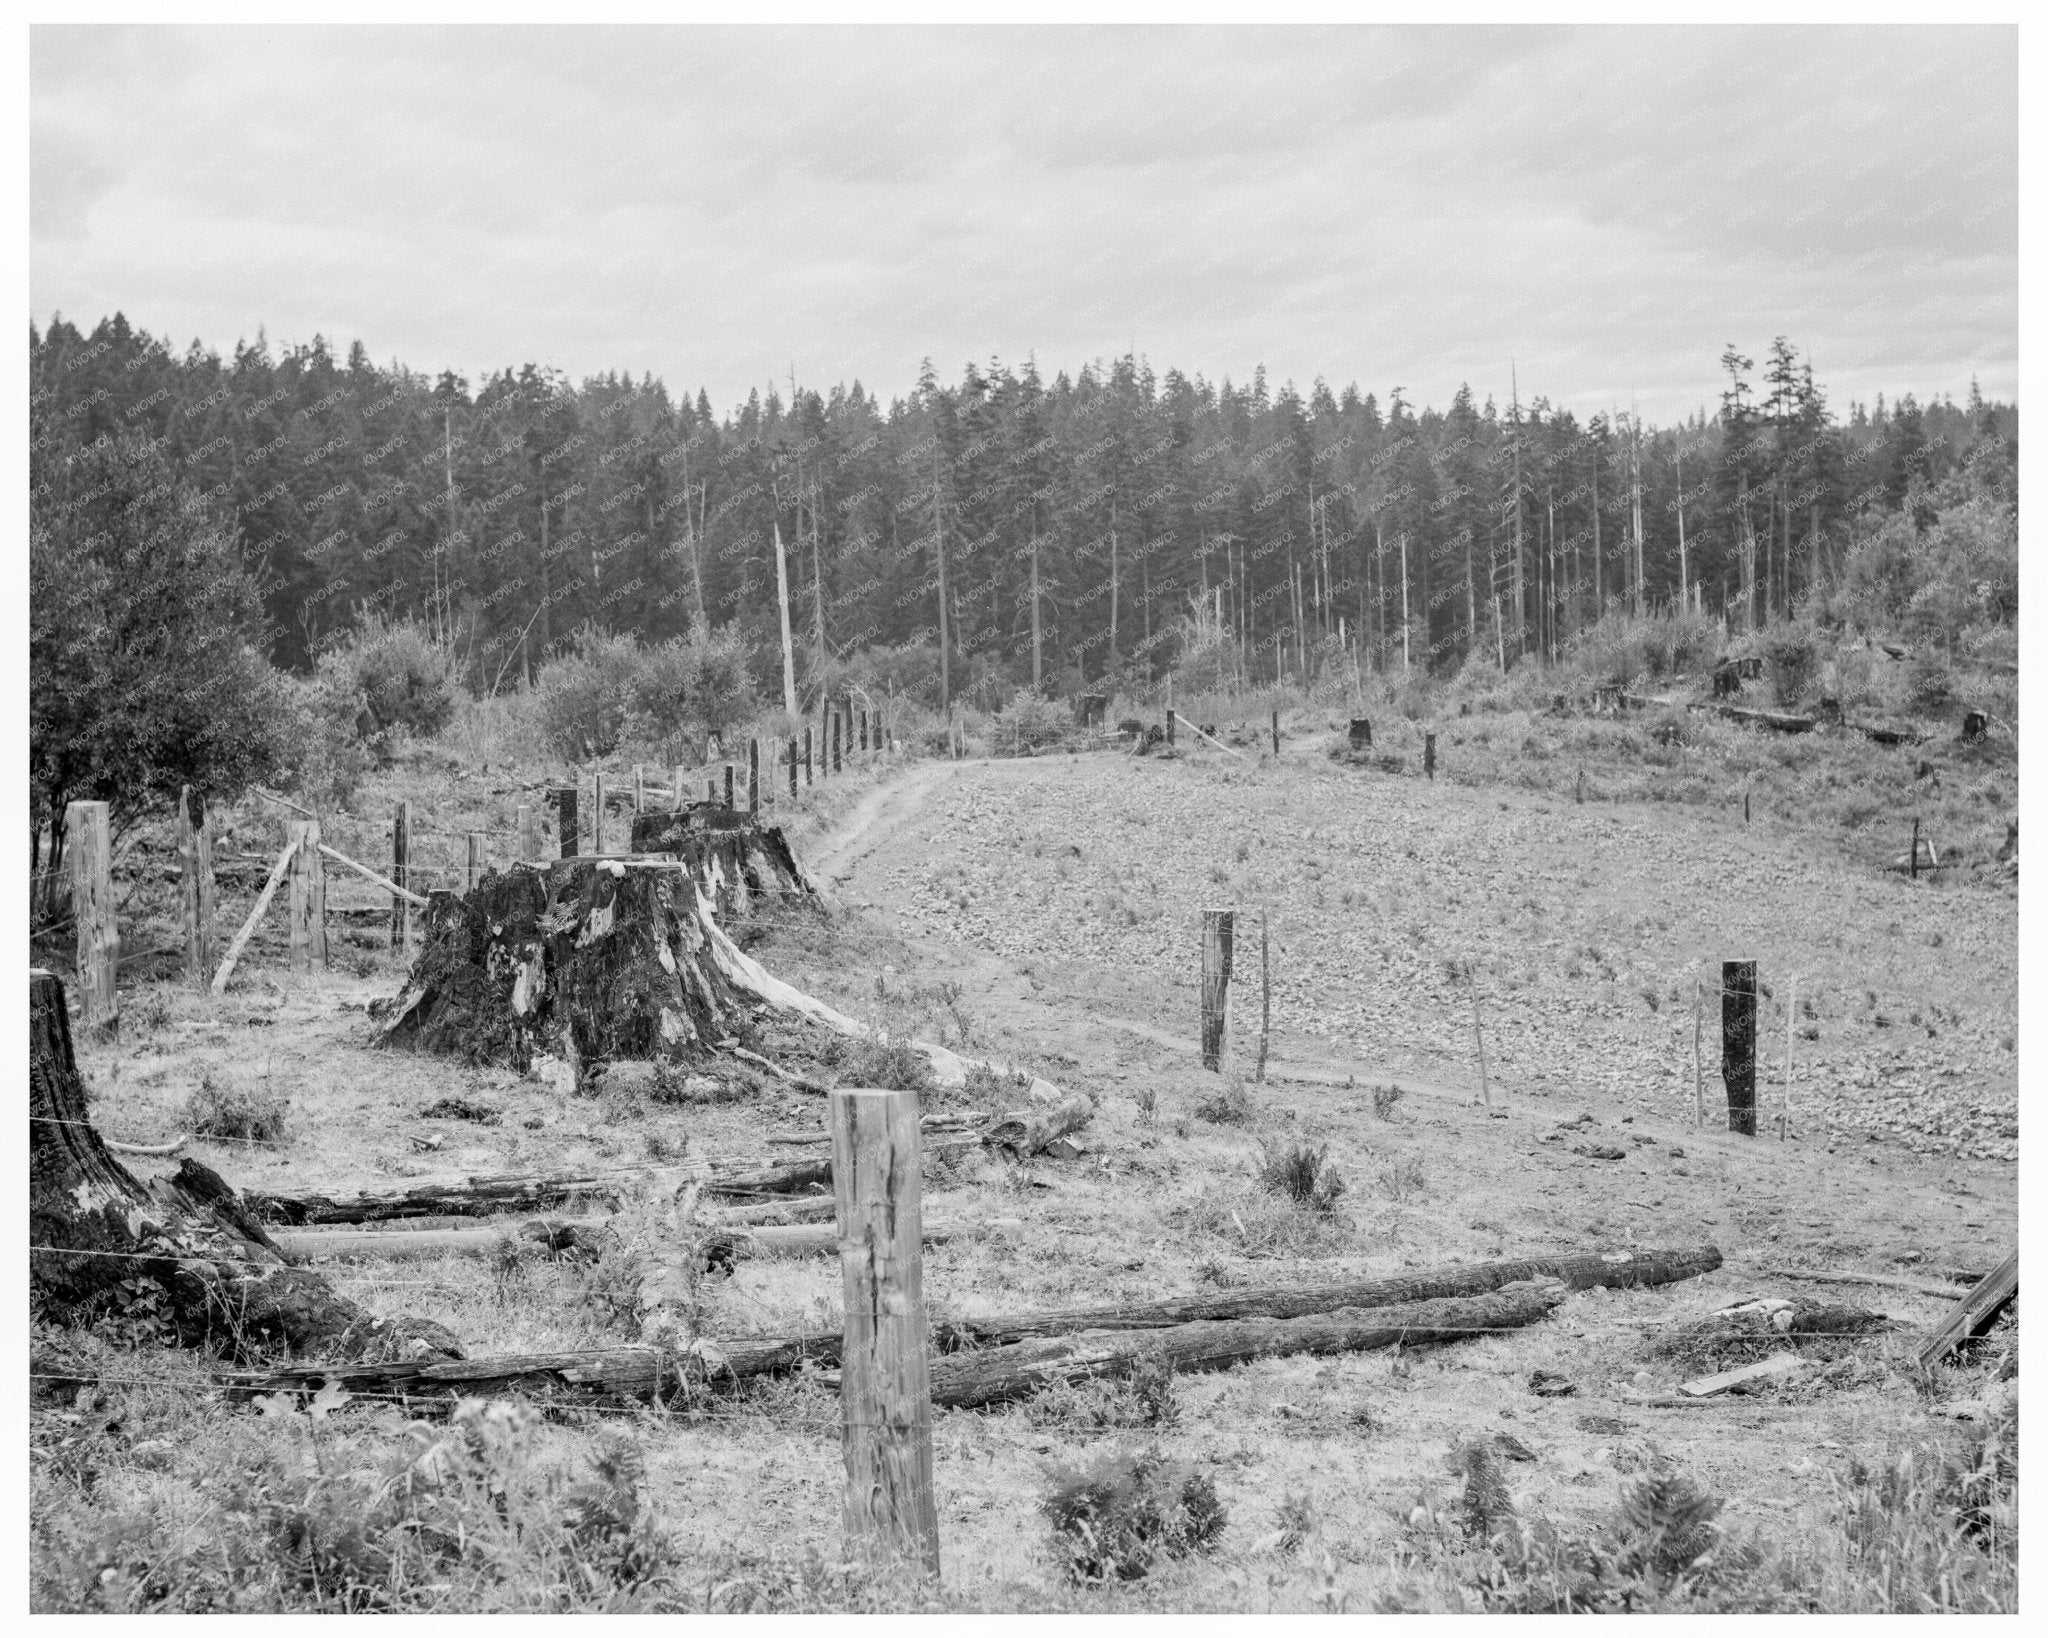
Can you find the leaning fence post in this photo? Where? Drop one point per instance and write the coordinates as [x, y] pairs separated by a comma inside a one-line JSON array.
[[473, 870], [889, 1510], [401, 857], [195, 867], [306, 935], [528, 832], [1218, 930], [89, 858], [1738, 1043]]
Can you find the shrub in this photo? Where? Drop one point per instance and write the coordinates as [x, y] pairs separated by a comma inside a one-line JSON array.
[[1229, 1105], [1112, 1519], [1791, 656], [1030, 722], [231, 1110], [692, 687], [327, 759], [1143, 1399], [405, 680], [1929, 684], [886, 1064], [1302, 1174], [1385, 1099], [586, 695]]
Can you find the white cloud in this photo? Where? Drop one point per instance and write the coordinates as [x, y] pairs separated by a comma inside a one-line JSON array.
[[1414, 206]]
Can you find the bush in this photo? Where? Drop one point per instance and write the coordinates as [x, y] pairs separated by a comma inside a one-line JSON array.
[[1229, 1105], [885, 1064], [587, 694], [404, 678], [1303, 1175], [230, 1110], [1791, 656], [1030, 722], [1929, 684], [1111, 1520], [1144, 1399], [327, 760], [692, 687]]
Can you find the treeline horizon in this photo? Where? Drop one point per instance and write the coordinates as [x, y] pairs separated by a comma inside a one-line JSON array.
[[1045, 534]]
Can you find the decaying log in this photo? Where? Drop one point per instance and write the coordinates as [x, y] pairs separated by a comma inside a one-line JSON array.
[[1027, 1131], [101, 1240], [1974, 1312], [531, 1191], [1784, 722], [1576, 1271], [556, 1234], [1016, 1370]]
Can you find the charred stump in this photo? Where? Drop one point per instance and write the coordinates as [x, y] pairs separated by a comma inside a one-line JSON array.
[[185, 1249]]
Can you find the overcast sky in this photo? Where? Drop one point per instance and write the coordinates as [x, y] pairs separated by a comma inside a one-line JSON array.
[[1407, 207]]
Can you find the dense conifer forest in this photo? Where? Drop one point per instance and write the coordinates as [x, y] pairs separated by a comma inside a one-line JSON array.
[[1031, 531]]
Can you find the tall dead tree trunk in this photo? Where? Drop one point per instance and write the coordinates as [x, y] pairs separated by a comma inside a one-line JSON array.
[[103, 1241]]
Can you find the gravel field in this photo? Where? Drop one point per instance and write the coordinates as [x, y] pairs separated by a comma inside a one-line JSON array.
[[1586, 928]]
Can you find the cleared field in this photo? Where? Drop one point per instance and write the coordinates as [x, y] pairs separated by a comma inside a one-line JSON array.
[[1045, 910]]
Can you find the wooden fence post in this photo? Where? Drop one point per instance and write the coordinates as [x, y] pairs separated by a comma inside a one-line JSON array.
[[753, 778], [401, 857], [639, 788], [473, 870], [1699, 1076], [1429, 756], [89, 859], [1276, 733], [597, 813], [728, 784], [195, 866], [1791, 1015], [1169, 727], [307, 928], [1738, 1043], [1218, 932], [1265, 992], [890, 1511], [807, 755], [568, 822], [1479, 1037], [792, 767], [529, 834], [1913, 852], [676, 779]]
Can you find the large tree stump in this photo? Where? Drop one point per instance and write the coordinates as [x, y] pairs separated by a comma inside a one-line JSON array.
[[103, 1241], [735, 859]]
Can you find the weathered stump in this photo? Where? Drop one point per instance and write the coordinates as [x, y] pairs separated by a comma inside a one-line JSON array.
[[184, 1248]]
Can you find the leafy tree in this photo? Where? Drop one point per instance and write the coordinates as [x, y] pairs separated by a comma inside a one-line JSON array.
[[144, 672]]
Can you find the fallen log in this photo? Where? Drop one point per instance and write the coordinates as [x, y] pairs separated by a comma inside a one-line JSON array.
[[1974, 1313], [529, 1191], [1784, 722], [157, 1150], [1826, 1276], [555, 1233], [1778, 1367], [1576, 1271], [103, 1241], [1026, 1131], [1015, 1371]]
